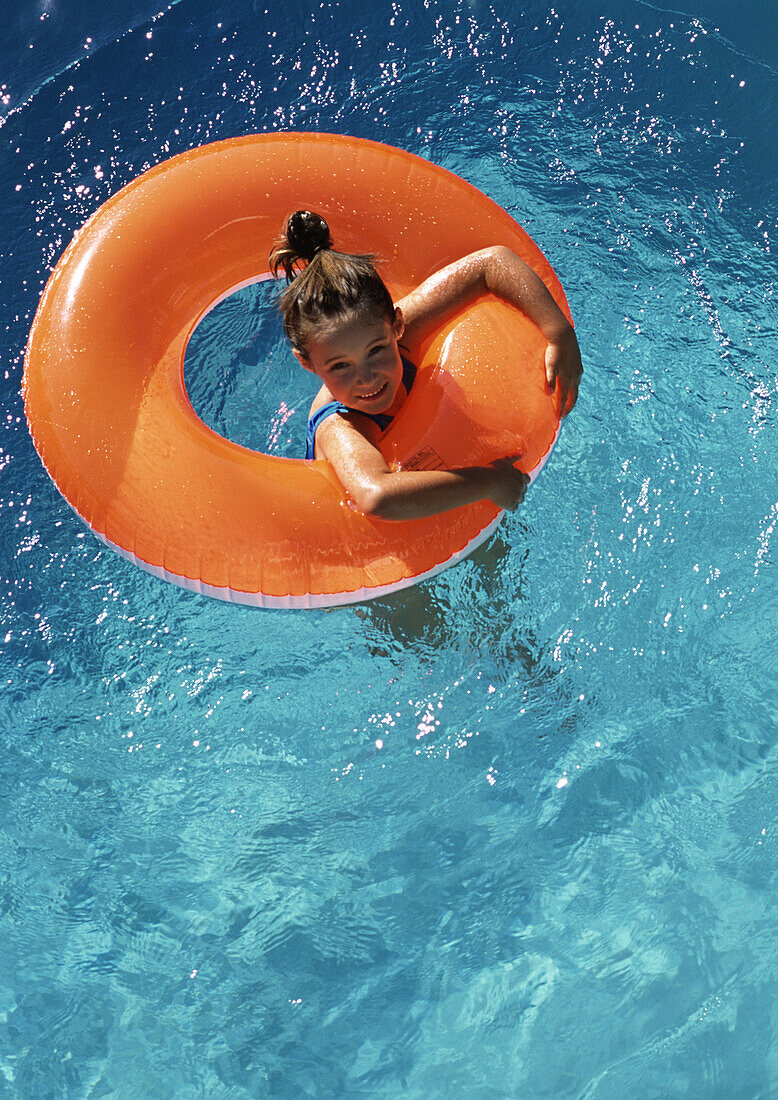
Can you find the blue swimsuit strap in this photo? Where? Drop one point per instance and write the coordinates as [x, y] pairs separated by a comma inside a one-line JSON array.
[[383, 420]]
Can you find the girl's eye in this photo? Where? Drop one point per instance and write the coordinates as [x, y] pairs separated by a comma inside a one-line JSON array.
[[377, 348]]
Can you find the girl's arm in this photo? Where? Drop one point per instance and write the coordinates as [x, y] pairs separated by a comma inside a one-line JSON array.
[[499, 271], [411, 494]]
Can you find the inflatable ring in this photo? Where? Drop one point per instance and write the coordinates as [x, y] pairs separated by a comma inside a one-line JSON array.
[[104, 382]]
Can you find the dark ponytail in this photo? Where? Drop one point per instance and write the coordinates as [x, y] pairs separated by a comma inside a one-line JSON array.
[[304, 234], [322, 285]]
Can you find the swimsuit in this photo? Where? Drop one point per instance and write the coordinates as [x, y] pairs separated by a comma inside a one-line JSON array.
[[383, 420]]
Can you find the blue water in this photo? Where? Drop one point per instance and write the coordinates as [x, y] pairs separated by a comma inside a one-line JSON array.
[[512, 834]]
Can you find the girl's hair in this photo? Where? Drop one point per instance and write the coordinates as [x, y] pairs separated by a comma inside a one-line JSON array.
[[322, 284]]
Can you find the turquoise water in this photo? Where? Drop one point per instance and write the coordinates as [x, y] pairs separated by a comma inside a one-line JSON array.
[[511, 834]]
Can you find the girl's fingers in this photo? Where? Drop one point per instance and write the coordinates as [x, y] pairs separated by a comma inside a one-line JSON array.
[[564, 390]]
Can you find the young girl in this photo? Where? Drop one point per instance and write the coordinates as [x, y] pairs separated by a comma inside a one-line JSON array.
[[344, 328]]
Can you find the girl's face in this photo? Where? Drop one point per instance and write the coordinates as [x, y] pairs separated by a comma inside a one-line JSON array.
[[359, 362]]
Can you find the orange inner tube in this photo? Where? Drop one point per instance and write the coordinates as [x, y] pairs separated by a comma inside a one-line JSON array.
[[104, 383]]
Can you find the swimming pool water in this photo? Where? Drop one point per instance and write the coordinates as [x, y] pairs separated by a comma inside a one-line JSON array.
[[512, 833]]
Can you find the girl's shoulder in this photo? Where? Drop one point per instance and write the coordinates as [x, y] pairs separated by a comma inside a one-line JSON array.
[[324, 406], [322, 398]]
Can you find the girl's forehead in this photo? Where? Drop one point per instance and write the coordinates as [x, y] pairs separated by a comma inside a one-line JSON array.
[[354, 329]]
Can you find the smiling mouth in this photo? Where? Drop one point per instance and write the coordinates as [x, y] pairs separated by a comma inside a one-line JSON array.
[[374, 394]]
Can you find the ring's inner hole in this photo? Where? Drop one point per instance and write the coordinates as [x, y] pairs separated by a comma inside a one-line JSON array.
[[242, 378]]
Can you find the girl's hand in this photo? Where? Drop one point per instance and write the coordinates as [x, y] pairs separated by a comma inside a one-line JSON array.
[[510, 484], [563, 365]]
